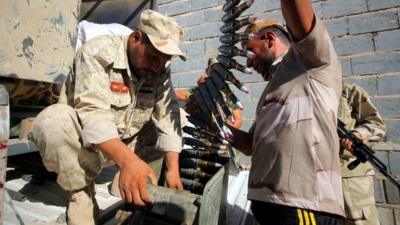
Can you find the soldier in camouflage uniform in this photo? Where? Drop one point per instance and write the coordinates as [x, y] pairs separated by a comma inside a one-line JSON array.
[[119, 85], [361, 117]]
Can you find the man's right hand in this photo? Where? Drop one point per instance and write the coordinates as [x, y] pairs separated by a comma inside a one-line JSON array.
[[134, 172], [133, 179]]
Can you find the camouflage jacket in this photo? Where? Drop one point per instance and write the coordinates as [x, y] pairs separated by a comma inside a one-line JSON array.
[[112, 102], [359, 115]]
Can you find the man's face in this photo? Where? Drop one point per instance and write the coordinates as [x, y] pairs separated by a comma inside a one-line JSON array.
[[145, 59], [262, 48]]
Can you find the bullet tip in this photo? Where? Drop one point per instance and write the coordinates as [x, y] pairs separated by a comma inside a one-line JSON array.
[[253, 19], [248, 71], [244, 89], [252, 36], [222, 134], [250, 55], [238, 104], [229, 132], [249, 2]]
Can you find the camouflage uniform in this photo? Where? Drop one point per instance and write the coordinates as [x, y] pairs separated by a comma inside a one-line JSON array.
[[104, 100], [359, 115]]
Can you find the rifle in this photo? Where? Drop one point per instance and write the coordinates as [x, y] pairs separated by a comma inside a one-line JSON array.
[[363, 153]]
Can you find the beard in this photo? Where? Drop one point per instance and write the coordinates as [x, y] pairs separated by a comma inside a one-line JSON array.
[[146, 74], [266, 74]]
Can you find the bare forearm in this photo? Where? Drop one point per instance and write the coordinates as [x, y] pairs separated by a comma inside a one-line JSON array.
[[299, 16], [117, 151], [172, 174], [172, 161], [134, 172], [242, 141]]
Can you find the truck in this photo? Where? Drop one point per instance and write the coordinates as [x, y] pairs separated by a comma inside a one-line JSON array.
[[37, 53]]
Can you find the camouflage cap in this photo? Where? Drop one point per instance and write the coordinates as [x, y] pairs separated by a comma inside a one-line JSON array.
[[164, 33], [262, 24]]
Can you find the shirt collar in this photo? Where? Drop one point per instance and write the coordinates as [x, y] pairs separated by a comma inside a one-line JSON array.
[[267, 76], [121, 59]]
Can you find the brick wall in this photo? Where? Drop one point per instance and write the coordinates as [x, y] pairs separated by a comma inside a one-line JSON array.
[[366, 36]]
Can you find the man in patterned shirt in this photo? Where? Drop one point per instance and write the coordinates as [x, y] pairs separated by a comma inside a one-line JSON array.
[[295, 172], [118, 84]]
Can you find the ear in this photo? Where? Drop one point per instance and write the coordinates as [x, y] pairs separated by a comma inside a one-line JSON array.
[[135, 37], [271, 37]]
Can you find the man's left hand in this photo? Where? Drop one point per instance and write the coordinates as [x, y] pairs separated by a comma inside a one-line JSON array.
[[172, 175], [174, 180], [347, 144]]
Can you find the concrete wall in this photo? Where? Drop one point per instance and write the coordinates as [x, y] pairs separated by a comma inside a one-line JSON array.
[[366, 36]]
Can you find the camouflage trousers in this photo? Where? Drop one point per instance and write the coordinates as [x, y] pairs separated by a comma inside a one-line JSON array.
[[359, 201], [57, 133]]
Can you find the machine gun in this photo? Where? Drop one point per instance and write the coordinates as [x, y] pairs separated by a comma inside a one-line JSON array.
[[363, 153]]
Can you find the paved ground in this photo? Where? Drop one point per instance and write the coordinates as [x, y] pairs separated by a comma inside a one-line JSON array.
[[37, 199]]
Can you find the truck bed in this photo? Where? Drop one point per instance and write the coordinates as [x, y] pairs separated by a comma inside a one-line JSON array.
[[34, 198]]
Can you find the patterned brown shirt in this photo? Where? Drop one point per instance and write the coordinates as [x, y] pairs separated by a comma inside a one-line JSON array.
[[295, 145], [112, 102]]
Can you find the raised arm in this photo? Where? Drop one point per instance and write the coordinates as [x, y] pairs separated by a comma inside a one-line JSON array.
[[299, 16]]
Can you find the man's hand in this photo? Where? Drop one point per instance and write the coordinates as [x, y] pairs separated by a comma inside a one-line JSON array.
[[242, 141], [132, 182], [174, 180], [134, 172], [172, 175], [347, 144]]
